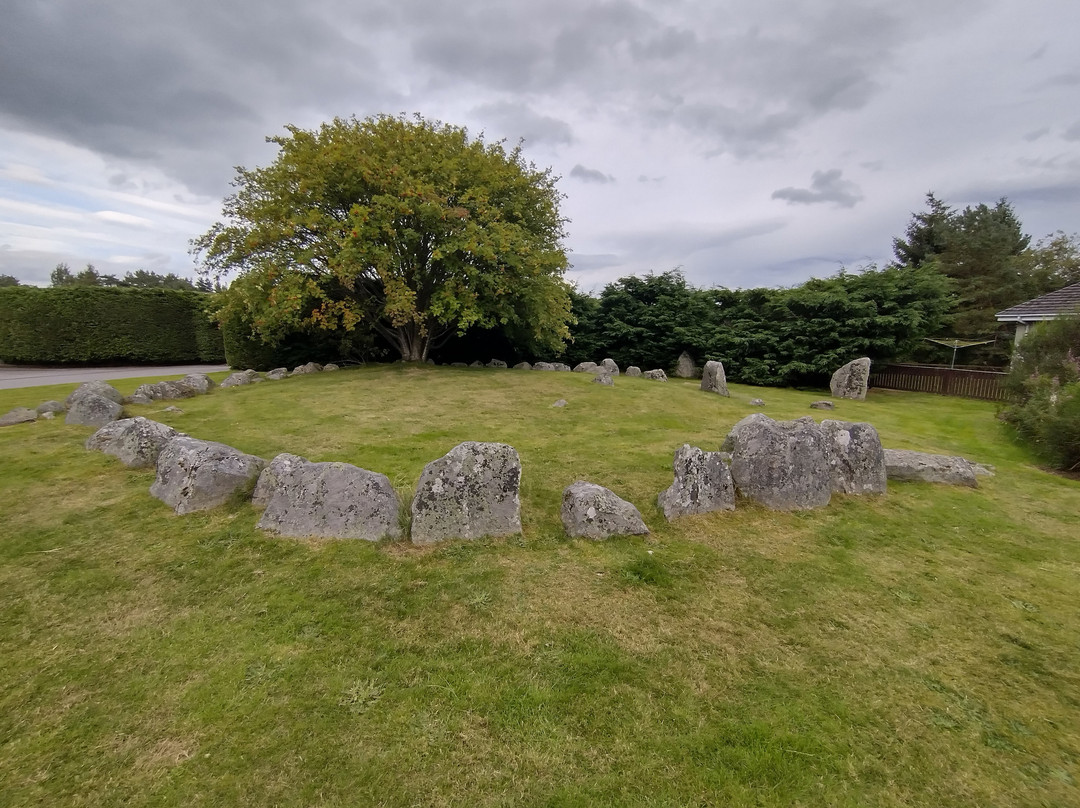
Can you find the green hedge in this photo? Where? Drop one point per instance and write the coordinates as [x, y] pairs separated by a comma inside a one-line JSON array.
[[106, 325]]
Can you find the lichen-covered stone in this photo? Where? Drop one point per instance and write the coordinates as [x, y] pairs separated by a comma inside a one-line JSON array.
[[604, 379], [560, 403], [655, 375], [824, 404], [194, 475], [19, 415], [685, 367], [907, 466], [756, 402], [90, 409], [560, 367], [103, 389], [856, 459], [497, 363], [522, 366], [328, 500], [543, 366], [713, 378], [633, 370], [851, 380], [50, 406], [594, 512], [331, 367], [610, 366], [277, 374], [471, 491], [199, 382], [780, 464], [135, 442], [584, 367], [702, 484], [236, 379], [165, 390], [307, 367]]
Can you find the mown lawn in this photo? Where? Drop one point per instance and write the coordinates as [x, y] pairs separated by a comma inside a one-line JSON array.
[[917, 649]]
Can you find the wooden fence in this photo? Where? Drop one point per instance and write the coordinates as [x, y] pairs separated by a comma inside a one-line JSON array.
[[985, 384]]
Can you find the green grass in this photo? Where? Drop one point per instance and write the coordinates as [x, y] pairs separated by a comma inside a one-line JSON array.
[[917, 649]]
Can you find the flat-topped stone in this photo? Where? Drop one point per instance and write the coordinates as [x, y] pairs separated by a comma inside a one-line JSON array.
[[90, 409], [594, 512], [194, 475], [19, 415], [100, 388], [779, 464], [135, 442], [655, 375], [905, 465]]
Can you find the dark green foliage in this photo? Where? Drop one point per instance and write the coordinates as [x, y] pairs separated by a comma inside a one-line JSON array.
[[795, 336], [140, 279], [8, 280], [245, 349], [88, 324], [1045, 378], [927, 234]]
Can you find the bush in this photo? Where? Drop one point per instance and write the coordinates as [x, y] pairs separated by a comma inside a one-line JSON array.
[[245, 349], [1045, 379], [106, 325]]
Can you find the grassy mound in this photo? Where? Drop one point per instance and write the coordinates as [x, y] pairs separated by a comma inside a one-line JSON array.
[[916, 649]]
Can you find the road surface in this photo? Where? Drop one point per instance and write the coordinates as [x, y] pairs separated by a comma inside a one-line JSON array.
[[12, 376]]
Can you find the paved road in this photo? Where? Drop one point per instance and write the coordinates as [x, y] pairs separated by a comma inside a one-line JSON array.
[[12, 376]]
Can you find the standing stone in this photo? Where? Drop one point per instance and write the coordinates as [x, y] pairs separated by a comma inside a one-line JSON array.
[[328, 500], [19, 415], [471, 491], [103, 389], [851, 380], [702, 484], [497, 363], [907, 466], [610, 366], [194, 475], [593, 512], [633, 370], [655, 375], [779, 464], [522, 366], [713, 379], [584, 367], [277, 374], [90, 409], [604, 379], [49, 406], [856, 459], [135, 442], [543, 366], [685, 368]]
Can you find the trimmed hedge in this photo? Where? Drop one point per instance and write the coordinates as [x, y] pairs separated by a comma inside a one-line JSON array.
[[106, 325]]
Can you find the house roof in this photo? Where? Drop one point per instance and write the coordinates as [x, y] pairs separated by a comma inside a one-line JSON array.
[[1047, 307]]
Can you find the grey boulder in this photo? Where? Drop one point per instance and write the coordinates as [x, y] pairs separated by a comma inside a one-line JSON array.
[[195, 475], [560, 403], [655, 375], [633, 370], [236, 379], [50, 406], [99, 388], [307, 367], [19, 415], [610, 366], [138, 398], [824, 404], [167, 390], [851, 380], [907, 466], [522, 366], [685, 367], [331, 367], [713, 378], [756, 402], [199, 382], [90, 409], [702, 484], [856, 459], [471, 491], [604, 379], [277, 374], [562, 367], [476, 364], [584, 367], [781, 465], [543, 366], [328, 500], [135, 442], [593, 512], [497, 363]]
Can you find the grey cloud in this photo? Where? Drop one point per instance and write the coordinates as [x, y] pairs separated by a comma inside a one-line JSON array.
[[579, 172], [516, 121], [1073, 132], [645, 178], [825, 186], [1034, 135]]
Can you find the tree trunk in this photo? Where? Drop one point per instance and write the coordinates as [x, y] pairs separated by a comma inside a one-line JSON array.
[[412, 343]]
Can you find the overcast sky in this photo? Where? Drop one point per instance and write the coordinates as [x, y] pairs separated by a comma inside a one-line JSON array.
[[751, 144]]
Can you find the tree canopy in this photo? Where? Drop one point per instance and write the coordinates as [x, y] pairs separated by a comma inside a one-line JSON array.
[[139, 279], [401, 225]]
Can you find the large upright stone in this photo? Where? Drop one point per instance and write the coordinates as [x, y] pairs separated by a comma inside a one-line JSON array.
[[702, 484], [135, 442], [856, 459], [779, 464], [90, 409], [471, 491], [610, 366], [685, 367], [713, 379], [593, 512], [194, 475], [851, 380], [103, 389], [908, 466], [328, 500]]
